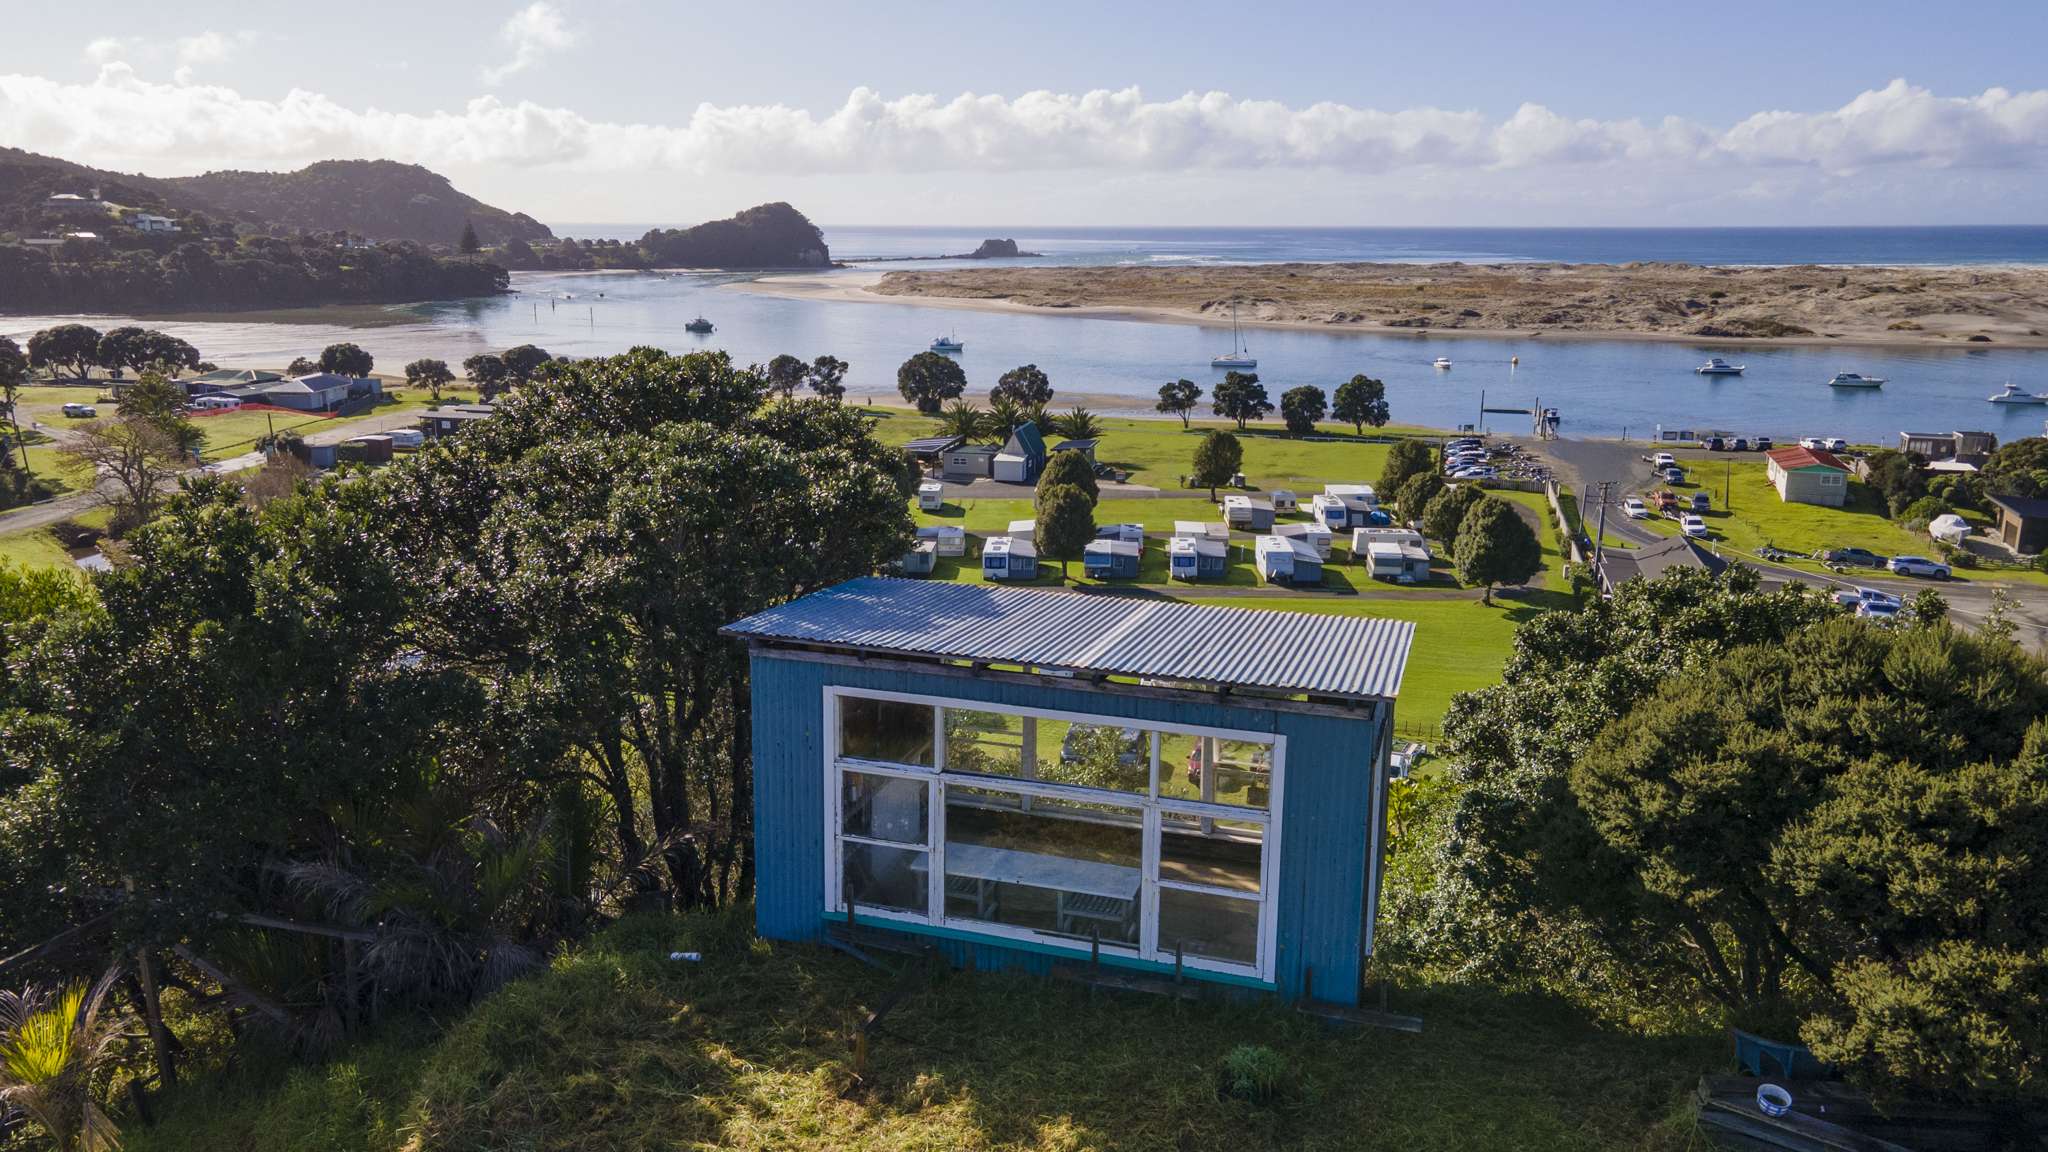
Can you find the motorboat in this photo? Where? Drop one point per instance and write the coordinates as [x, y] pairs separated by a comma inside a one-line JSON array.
[[1239, 356], [1441, 362], [1719, 367], [2013, 395], [948, 344], [1855, 380], [700, 325]]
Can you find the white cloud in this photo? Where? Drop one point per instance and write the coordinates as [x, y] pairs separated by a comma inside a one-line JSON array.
[[1877, 142], [532, 33], [186, 55]]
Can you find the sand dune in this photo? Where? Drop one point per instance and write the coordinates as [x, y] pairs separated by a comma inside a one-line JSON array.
[[1956, 306]]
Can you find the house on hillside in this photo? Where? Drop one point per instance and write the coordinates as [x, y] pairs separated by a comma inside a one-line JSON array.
[[1970, 449], [72, 204], [1040, 780], [1808, 476], [1619, 565], [147, 222], [2022, 523]]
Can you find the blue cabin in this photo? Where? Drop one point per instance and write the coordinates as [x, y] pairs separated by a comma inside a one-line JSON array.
[[1029, 777], [1022, 457], [1196, 558], [1112, 559]]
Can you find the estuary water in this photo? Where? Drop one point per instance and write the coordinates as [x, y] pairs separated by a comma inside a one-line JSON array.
[[1600, 387]]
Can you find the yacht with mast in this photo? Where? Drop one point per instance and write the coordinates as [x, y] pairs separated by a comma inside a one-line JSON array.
[[948, 343], [1239, 355]]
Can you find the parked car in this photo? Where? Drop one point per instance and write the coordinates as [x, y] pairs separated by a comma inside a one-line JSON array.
[[1663, 460], [1635, 508], [1473, 472], [1919, 566], [1856, 557], [1858, 597], [80, 411], [1714, 444], [1738, 445], [1837, 444], [1880, 614], [1701, 502], [1674, 475], [1763, 443], [1692, 525], [1813, 442]]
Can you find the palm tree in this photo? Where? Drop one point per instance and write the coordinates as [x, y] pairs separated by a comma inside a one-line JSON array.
[[53, 1046], [963, 419], [1078, 423]]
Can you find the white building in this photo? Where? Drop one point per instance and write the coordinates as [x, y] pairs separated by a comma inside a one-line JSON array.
[[145, 222]]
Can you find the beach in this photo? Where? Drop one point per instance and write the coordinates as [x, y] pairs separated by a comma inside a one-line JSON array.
[[1791, 305]]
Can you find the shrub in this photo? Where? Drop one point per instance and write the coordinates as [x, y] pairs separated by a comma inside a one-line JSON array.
[[1255, 1073], [1921, 512]]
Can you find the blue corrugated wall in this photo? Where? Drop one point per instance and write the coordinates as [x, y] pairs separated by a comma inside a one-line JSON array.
[[1326, 816]]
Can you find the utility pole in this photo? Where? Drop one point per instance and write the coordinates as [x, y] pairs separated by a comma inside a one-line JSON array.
[[1600, 533]]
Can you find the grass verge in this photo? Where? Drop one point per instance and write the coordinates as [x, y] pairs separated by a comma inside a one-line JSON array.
[[616, 1047]]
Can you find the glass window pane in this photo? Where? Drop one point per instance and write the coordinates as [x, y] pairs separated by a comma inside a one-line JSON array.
[[988, 743], [884, 808], [1236, 772], [885, 730], [1215, 853], [1202, 924], [1095, 756], [878, 877], [1065, 869]]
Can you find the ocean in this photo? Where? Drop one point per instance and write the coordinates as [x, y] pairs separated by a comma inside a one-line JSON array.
[[1601, 387], [1139, 246]]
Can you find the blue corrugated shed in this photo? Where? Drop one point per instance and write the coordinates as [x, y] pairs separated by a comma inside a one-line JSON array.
[[1331, 814], [1328, 815], [1348, 656]]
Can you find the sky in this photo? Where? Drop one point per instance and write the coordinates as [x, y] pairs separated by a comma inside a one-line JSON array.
[[1343, 112]]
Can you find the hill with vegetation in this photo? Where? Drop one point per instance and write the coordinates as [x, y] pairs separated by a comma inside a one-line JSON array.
[[767, 236], [75, 238], [382, 199]]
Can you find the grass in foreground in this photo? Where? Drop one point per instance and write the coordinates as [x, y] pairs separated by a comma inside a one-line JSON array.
[[616, 1047]]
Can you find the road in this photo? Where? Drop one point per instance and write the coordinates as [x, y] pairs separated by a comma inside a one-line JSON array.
[[1590, 462], [72, 503]]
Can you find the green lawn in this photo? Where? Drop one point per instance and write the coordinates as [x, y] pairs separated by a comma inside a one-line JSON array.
[[1159, 452], [35, 549], [615, 1046], [1459, 644]]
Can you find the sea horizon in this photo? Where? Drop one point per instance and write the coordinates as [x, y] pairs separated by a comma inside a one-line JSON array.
[[1133, 246]]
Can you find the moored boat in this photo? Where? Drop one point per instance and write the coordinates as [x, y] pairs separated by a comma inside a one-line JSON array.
[[1240, 355], [2014, 395], [1719, 367], [1855, 380], [700, 326]]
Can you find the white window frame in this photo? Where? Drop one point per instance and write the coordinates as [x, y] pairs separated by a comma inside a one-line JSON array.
[[1149, 804]]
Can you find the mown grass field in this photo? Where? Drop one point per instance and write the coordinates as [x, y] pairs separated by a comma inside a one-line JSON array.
[[1159, 452], [616, 1047]]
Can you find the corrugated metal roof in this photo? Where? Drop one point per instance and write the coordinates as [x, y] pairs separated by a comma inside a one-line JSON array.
[[1355, 656]]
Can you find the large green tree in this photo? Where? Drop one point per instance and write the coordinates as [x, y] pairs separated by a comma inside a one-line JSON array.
[[1405, 458], [827, 378], [1241, 398], [2018, 468], [13, 378], [1415, 493], [1026, 386], [1066, 523], [929, 379], [1217, 459], [431, 374], [1848, 830], [1445, 513], [785, 375], [346, 359], [1301, 407], [1069, 470], [1362, 401], [1179, 398], [1496, 546], [73, 346]]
